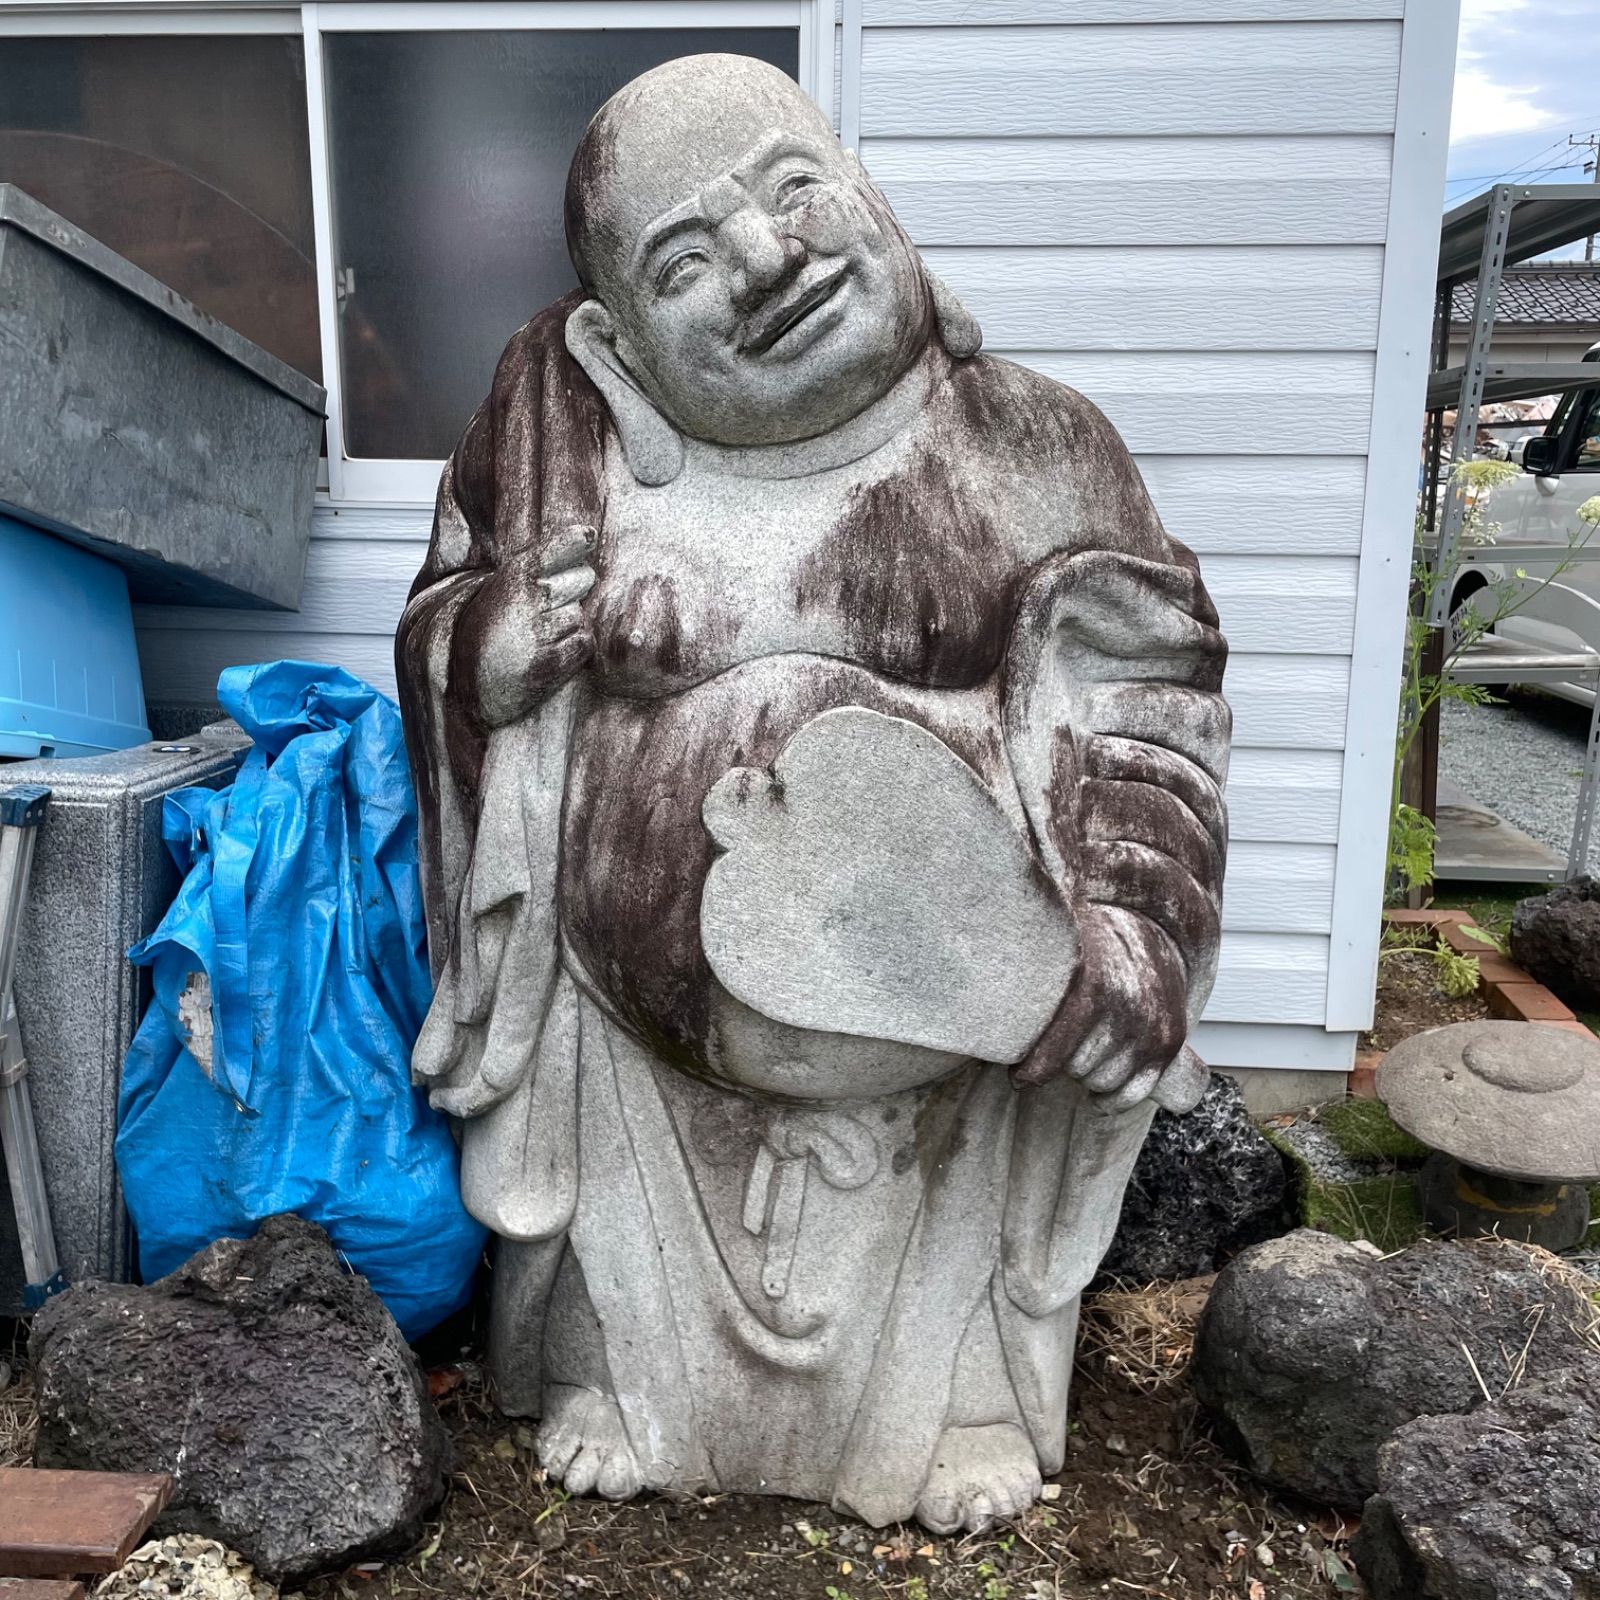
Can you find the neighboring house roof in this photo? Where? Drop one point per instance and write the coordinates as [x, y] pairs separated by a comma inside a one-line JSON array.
[[1540, 294]]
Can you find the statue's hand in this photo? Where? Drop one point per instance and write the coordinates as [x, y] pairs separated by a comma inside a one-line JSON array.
[[524, 632], [1125, 1014]]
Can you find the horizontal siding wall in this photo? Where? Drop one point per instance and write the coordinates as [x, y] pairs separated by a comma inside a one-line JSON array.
[[1177, 207]]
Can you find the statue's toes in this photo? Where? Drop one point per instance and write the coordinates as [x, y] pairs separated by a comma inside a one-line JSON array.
[[940, 1511], [979, 1476], [582, 1475], [583, 1445], [620, 1478]]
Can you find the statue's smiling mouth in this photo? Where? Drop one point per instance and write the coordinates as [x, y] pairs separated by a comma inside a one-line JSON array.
[[775, 327]]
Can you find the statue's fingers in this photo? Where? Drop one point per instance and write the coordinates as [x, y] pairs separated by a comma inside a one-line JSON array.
[[558, 659], [557, 624], [1144, 814], [562, 589], [1126, 606], [1136, 1089], [569, 549], [1193, 723], [1139, 878], [1127, 761]]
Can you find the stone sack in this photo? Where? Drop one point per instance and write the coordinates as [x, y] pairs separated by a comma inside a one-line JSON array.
[[1556, 937], [1313, 1351], [273, 1386], [1206, 1184], [1497, 1505]]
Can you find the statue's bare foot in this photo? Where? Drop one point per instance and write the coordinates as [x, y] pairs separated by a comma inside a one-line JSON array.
[[582, 1444], [979, 1476]]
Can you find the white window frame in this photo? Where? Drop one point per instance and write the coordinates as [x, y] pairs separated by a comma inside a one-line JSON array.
[[352, 479]]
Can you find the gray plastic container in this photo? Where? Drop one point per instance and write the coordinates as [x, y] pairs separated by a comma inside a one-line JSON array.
[[137, 426], [102, 879]]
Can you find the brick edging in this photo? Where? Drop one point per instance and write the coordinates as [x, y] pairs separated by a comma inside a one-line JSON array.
[[1511, 993]]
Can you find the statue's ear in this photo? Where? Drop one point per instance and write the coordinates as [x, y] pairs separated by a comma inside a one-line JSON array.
[[958, 328], [650, 443]]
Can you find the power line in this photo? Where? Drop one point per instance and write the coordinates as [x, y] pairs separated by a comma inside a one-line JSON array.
[[1520, 171]]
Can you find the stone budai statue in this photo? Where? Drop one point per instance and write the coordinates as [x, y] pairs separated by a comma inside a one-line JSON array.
[[820, 748]]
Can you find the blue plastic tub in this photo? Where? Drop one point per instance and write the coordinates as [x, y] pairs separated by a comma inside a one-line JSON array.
[[69, 667]]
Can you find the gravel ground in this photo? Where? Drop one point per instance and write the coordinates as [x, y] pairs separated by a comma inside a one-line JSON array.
[[1320, 1151], [1522, 760]]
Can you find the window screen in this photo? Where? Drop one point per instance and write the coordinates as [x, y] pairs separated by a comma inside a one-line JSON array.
[[449, 158]]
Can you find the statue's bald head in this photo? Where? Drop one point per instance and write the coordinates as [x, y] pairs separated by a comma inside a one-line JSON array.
[[662, 137], [750, 284]]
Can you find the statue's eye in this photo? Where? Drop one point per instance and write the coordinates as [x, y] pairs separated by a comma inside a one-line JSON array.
[[680, 270], [793, 187]]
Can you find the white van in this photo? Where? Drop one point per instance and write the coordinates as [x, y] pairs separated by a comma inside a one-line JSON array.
[[1560, 472]]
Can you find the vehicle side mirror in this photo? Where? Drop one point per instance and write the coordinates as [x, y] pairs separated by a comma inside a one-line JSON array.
[[1540, 454]]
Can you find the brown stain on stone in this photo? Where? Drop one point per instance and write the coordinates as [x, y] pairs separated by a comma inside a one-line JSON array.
[[924, 583], [636, 851]]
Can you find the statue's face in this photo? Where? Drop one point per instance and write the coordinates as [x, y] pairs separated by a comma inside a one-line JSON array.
[[773, 300]]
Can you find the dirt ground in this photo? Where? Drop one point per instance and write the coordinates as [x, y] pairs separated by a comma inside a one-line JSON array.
[[1146, 1506], [1410, 1000]]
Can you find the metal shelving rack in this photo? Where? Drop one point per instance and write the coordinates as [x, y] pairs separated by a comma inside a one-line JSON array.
[[1479, 239]]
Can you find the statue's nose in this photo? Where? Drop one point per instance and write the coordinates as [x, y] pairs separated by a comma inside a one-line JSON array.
[[765, 254]]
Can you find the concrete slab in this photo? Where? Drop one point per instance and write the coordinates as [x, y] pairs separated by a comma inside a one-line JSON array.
[[1476, 844]]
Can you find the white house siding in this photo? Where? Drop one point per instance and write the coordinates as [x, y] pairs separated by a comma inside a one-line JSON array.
[[1179, 207]]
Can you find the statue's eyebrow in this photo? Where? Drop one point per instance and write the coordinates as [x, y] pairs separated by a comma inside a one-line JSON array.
[[686, 218], [770, 149], [708, 207]]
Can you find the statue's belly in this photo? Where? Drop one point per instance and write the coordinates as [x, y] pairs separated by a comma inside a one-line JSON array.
[[635, 856]]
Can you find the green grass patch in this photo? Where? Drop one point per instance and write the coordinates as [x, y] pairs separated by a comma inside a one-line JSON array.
[[1491, 911], [1364, 1131], [1382, 1209]]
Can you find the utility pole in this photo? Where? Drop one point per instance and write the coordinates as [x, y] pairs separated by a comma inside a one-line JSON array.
[[1591, 143]]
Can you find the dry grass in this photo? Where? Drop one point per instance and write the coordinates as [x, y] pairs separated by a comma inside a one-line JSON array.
[[18, 1421], [1584, 1306], [1144, 1336]]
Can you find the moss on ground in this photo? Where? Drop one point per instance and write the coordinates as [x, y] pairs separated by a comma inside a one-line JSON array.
[[1383, 1209], [1364, 1131]]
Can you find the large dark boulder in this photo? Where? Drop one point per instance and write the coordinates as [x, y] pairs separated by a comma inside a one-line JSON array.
[[270, 1382], [1311, 1352], [1556, 937], [1498, 1504], [1207, 1183]]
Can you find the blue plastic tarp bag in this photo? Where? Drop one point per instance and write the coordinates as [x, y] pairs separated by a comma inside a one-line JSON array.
[[294, 965]]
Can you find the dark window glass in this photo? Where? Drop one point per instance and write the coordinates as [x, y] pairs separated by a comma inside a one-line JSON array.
[[187, 155], [450, 155]]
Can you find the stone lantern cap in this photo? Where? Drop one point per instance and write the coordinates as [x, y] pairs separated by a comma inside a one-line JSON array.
[[1516, 1099]]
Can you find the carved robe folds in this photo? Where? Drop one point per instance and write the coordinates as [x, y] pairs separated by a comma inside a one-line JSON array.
[[887, 770]]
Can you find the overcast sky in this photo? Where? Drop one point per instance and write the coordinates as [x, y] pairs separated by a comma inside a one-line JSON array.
[[1527, 76]]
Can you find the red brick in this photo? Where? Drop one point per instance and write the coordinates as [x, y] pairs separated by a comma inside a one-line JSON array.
[[1363, 1083], [1463, 943], [1426, 918], [1496, 968], [1526, 1002]]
